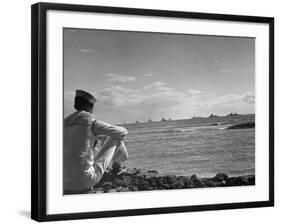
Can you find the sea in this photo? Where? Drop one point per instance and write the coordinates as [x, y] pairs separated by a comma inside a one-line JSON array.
[[201, 146]]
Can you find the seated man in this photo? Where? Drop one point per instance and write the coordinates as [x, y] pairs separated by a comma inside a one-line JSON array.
[[83, 164]]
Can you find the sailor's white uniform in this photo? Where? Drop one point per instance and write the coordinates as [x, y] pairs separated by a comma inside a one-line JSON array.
[[81, 169]]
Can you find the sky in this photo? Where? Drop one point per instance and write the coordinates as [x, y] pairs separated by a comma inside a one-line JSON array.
[[139, 75]]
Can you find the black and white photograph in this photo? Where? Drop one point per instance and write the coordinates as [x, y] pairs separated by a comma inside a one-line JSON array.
[[151, 111], [139, 111]]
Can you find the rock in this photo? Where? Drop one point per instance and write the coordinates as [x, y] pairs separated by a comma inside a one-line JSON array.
[[97, 190], [164, 180], [135, 182], [189, 185], [237, 181], [133, 171], [116, 167], [143, 183], [152, 182], [140, 175], [166, 186], [251, 180], [119, 183], [180, 184], [242, 126], [134, 188], [160, 188], [184, 180], [150, 173], [193, 177], [211, 183], [159, 182], [110, 191], [107, 185], [196, 182], [144, 187], [127, 179], [122, 189], [141, 180], [220, 177], [171, 179]]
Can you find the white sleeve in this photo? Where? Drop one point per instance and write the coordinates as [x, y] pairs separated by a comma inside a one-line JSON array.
[[103, 128]]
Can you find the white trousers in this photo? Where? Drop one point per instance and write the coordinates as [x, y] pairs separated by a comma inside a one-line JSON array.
[[113, 151]]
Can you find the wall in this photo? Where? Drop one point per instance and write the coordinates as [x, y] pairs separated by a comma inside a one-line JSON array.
[[15, 110]]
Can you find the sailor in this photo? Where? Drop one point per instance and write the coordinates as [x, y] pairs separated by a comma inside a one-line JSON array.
[[83, 164]]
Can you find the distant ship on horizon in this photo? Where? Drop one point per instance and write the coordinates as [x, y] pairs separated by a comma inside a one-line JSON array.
[[213, 115], [233, 114], [230, 115]]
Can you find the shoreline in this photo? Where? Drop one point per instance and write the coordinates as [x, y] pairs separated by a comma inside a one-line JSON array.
[[194, 118], [147, 180]]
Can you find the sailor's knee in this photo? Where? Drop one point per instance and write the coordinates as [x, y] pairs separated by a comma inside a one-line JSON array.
[[125, 131]]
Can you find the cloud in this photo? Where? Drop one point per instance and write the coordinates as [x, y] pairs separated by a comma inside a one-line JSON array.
[[117, 95], [226, 71], [216, 60], [232, 99], [69, 94], [240, 103], [114, 77], [249, 97], [117, 103], [154, 100], [194, 92], [87, 51], [157, 84], [147, 75]]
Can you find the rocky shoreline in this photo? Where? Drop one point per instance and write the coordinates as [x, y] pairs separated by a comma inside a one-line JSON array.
[[242, 125], [142, 180]]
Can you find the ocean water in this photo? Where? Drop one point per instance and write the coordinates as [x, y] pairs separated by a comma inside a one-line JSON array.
[[200, 146]]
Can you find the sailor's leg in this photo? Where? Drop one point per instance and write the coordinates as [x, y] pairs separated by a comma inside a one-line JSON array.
[[121, 153], [113, 151], [108, 149]]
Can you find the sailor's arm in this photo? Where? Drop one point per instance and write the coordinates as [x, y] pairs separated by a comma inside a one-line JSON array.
[[113, 131]]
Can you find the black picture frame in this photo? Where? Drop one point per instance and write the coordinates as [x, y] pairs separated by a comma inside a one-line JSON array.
[[39, 122]]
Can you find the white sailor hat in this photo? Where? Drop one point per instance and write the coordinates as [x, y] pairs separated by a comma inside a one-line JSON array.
[[87, 96]]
